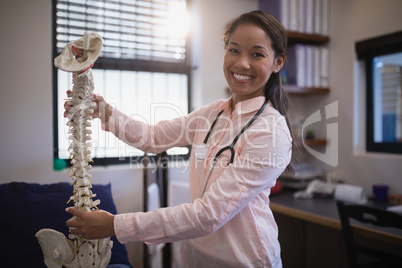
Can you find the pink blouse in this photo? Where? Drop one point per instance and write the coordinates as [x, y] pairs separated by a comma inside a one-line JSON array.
[[231, 225]]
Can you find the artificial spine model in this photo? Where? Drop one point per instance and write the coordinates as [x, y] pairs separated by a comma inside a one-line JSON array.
[[78, 57]]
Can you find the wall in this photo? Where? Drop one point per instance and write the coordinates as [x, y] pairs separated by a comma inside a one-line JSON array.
[[353, 21]]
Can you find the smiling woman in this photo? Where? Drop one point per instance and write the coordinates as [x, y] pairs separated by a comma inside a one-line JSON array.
[[249, 62], [274, 34], [247, 132]]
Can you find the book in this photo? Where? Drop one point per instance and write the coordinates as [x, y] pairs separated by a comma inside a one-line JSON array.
[[301, 19], [301, 65], [325, 17], [284, 18], [317, 67], [293, 15], [324, 66], [309, 66], [317, 17], [309, 23]]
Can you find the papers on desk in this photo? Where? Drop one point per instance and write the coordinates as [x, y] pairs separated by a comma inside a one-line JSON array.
[[350, 193], [395, 209], [303, 174]]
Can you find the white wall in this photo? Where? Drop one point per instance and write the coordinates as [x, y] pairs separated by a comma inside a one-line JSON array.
[[353, 21]]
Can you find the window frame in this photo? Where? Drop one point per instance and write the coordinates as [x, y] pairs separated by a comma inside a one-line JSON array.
[[366, 51], [122, 64]]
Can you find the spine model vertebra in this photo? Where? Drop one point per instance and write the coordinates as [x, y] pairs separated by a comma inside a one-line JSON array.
[[80, 116]]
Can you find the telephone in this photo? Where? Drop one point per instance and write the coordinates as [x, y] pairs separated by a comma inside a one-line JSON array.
[[316, 187]]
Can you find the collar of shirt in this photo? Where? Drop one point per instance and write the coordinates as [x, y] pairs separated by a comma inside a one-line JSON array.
[[245, 106]]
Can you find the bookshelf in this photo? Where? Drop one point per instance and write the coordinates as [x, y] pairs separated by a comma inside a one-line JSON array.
[[306, 70], [297, 38], [307, 24]]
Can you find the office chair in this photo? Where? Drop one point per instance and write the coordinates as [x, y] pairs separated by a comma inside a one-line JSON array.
[[367, 215]]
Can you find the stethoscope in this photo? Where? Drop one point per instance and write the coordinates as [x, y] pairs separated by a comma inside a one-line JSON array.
[[201, 150]]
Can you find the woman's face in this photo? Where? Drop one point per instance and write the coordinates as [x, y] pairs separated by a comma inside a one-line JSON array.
[[249, 61]]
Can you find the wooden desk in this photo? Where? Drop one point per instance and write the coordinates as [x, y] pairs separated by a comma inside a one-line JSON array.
[[310, 232]]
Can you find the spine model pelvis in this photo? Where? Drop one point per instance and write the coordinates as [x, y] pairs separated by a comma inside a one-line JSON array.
[[78, 57]]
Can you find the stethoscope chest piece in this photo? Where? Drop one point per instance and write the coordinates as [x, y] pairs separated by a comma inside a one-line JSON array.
[[200, 151]]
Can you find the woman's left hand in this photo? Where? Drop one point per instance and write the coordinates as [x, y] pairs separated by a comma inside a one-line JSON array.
[[96, 224]]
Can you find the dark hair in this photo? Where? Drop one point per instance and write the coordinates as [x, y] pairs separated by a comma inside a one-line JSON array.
[[274, 91]]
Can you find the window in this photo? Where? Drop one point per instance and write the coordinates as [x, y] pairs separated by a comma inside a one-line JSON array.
[[143, 68], [383, 60]]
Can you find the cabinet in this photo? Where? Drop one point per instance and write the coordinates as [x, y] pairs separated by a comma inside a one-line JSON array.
[[296, 38], [310, 232]]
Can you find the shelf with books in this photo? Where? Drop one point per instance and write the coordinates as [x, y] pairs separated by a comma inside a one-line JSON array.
[[307, 56], [306, 67]]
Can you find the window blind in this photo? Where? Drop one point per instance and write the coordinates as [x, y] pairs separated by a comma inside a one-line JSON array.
[[143, 65], [153, 30]]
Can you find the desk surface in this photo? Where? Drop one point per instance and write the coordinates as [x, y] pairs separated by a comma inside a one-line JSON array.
[[323, 211]]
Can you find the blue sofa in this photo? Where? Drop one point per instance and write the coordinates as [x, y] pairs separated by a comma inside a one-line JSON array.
[[29, 207]]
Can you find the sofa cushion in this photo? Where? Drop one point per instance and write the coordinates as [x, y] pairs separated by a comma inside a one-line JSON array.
[[27, 208]]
